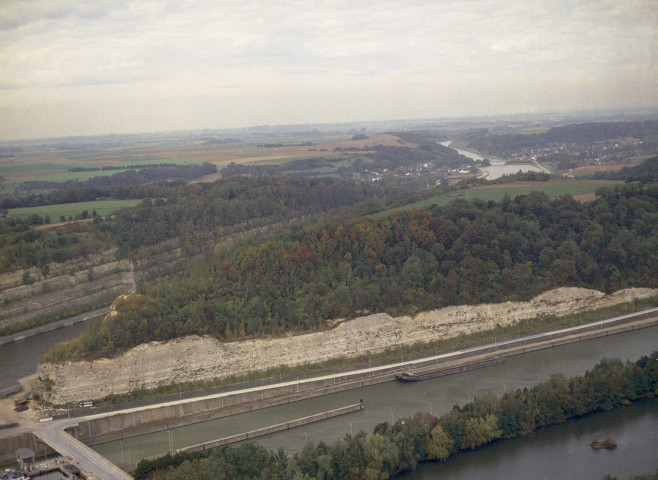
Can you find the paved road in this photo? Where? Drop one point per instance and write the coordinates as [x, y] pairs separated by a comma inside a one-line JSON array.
[[93, 465], [500, 346]]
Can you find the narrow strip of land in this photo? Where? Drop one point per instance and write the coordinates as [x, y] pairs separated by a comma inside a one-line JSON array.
[[49, 327]]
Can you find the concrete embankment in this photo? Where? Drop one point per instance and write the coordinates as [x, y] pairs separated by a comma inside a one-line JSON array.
[[23, 439], [82, 317], [128, 423], [138, 422], [279, 427], [9, 388]]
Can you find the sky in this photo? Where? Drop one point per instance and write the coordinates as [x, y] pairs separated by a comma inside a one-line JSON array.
[[113, 66]]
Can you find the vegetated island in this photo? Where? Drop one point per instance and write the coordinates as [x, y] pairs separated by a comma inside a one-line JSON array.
[[391, 449], [609, 443]]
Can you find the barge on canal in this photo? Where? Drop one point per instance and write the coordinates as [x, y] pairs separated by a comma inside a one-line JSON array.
[[448, 368]]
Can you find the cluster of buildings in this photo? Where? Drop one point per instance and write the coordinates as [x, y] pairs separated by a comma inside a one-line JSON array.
[[603, 152], [411, 172]]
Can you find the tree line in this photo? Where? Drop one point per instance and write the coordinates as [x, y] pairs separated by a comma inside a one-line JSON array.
[[361, 160], [645, 172], [403, 263], [393, 448]]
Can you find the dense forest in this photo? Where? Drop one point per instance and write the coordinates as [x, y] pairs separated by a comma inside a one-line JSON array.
[[586, 133], [198, 214], [402, 263], [391, 449]]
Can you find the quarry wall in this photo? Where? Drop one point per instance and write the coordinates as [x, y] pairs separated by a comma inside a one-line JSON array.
[[196, 358]]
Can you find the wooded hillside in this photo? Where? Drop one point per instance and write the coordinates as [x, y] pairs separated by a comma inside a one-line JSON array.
[[464, 253]]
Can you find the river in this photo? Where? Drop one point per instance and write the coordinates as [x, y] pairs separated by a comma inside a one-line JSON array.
[[563, 451], [498, 168], [392, 400]]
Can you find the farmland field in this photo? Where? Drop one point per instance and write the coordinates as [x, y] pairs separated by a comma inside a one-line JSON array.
[[497, 192], [102, 208], [23, 169]]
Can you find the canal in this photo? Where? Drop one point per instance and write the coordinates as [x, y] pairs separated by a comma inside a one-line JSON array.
[[392, 400]]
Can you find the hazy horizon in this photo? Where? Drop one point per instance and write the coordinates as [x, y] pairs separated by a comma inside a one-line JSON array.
[[101, 67]]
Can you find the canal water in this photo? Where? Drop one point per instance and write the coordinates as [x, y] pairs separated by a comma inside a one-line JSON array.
[[391, 401], [498, 168]]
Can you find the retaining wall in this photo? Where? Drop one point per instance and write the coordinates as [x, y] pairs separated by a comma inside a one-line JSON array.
[[240, 437], [9, 445]]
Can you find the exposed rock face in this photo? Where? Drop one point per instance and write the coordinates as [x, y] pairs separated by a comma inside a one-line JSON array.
[[201, 358]]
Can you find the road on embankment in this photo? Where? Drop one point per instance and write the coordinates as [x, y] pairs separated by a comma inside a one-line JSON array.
[[387, 400], [91, 463], [49, 327], [316, 386]]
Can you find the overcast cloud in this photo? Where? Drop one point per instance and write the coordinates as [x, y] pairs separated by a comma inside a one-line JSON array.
[[105, 66]]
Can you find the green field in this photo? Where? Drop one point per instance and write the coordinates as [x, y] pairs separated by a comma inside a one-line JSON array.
[[63, 174], [496, 194], [9, 168], [102, 207]]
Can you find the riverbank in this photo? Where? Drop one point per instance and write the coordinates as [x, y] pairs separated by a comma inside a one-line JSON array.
[[499, 166], [563, 450], [130, 421]]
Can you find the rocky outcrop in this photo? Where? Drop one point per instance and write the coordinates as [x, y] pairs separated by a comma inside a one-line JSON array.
[[201, 358]]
